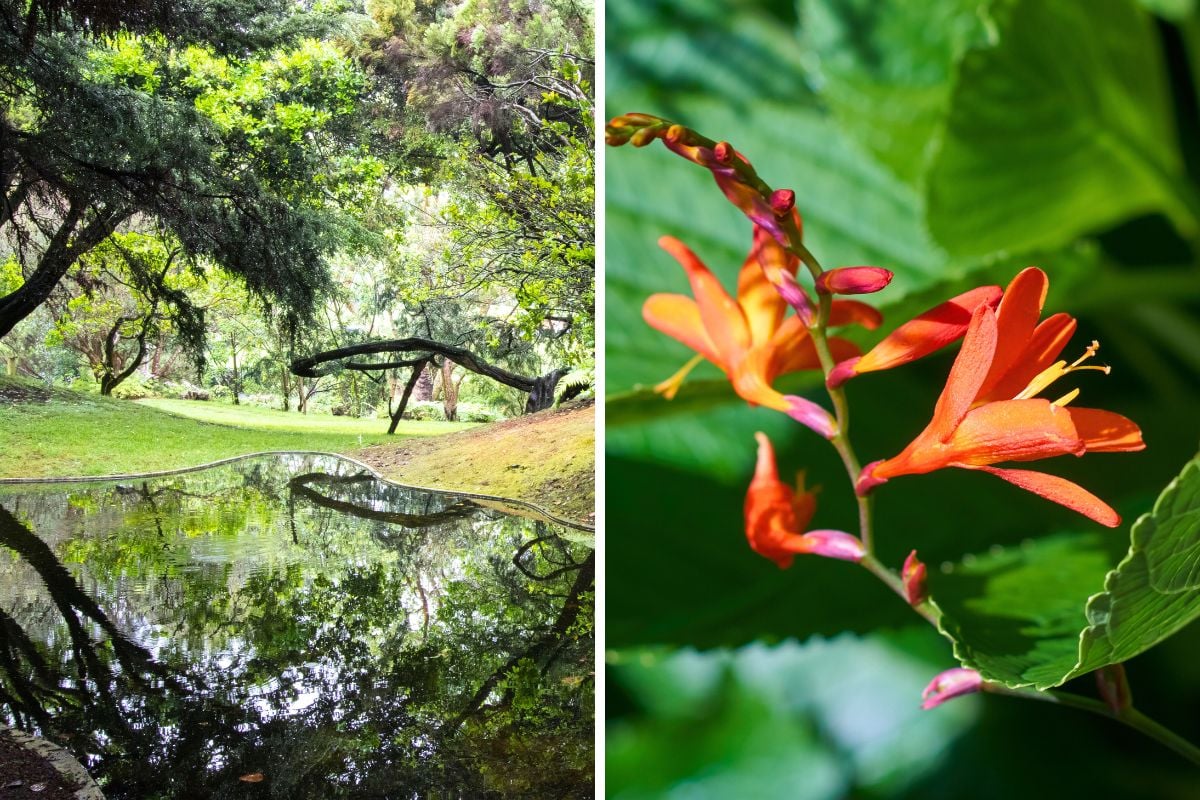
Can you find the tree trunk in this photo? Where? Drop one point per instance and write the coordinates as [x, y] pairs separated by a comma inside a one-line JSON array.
[[113, 376], [449, 391], [417, 372], [424, 390], [236, 382], [541, 396], [12, 366], [64, 249], [285, 385]]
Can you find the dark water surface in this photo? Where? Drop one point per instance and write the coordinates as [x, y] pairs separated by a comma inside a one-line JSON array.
[[289, 627]]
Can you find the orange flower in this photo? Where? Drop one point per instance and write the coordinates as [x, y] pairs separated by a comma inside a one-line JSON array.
[[748, 337], [988, 412], [920, 336], [776, 515]]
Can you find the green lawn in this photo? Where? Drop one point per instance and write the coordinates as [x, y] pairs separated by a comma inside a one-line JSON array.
[[60, 433], [266, 419]]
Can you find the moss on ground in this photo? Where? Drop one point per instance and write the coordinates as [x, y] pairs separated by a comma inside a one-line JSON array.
[[546, 458]]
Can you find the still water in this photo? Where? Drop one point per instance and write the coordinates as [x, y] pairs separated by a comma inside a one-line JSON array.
[[290, 627]]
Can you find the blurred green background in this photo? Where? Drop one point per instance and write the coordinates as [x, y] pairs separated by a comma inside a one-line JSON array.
[[953, 142]]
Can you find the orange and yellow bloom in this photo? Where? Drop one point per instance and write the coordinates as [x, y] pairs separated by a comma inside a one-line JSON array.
[[748, 337], [776, 516], [989, 412]]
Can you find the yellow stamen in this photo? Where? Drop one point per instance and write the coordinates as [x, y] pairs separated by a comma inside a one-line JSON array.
[[1066, 398], [670, 387], [1055, 371]]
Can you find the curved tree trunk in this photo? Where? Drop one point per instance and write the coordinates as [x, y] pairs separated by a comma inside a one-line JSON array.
[[540, 389]]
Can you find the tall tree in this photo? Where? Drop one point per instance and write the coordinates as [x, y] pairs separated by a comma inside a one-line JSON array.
[[243, 156]]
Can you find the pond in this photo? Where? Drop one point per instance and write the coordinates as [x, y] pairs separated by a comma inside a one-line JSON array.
[[291, 627]]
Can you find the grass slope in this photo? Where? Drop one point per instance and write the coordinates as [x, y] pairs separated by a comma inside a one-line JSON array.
[[546, 458], [55, 433]]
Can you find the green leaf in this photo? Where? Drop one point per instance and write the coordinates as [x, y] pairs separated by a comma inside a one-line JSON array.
[[886, 69], [780, 721], [1051, 610], [1174, 10], [1062, 128]]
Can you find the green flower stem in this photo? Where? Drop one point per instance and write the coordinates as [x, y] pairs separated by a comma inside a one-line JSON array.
[[1131, 716], [841, 409]]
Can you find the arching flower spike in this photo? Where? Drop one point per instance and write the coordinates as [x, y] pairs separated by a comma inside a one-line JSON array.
[[776, 516], [988, 412], [748, 337]]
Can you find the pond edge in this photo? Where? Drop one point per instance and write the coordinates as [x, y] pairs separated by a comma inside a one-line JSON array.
[[548, 515]]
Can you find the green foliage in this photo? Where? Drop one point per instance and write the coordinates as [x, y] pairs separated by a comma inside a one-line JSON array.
[[952, 142], [254, 160], [886, 81], [1090, 127], [779, 721], [1060, 607]]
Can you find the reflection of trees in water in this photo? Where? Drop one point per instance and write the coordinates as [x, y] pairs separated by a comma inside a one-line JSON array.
[[448, 662]]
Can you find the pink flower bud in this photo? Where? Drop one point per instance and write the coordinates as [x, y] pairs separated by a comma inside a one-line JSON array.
[[723, 152], [834, 544], [950, 684], [913, 572], [783, 201], [809, 413], [853, 280], [867, 481], [843, 372]]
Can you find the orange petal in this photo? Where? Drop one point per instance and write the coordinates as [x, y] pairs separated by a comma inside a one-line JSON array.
[[966, 375], [792, 350], [929, 332], [722, 316], [1061, 491], [1106, 432], [765, 470], [1016, 317], [770, 513], [853, 312], [679, 317], [761, 303], [1048, 340], [749, 379], [1013, 430]]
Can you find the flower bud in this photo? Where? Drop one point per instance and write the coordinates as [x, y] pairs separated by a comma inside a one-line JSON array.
[[913, 572], [724, 152], [783, 201], [625, 127], [950, 684], [643, 137], [853, 280]]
